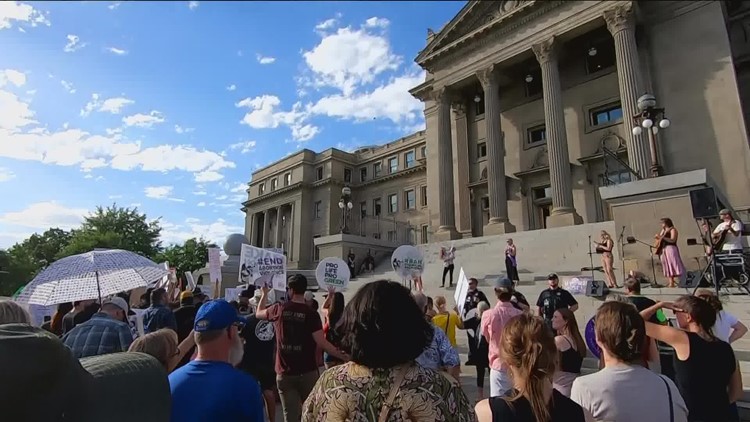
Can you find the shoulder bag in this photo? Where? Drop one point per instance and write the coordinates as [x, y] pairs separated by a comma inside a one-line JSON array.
[[388, 403], [669, 393]]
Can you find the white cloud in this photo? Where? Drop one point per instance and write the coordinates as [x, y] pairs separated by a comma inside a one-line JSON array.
[[161, 192], [182, 157], [264, 59], [117, 51], [20, 13], [376, 22], [15, 77], [193, 5], [201, 204], [349, 58], [215, 232], [243, 147], [144, 120], [115, 197], [43, 215], [110, 105], [264, 114], [6, 174], [68, 87], [328, 23], [239, 188], [180, 130], [208, 176], [231, 87], [113, 6], [200, 193], [74, 44]]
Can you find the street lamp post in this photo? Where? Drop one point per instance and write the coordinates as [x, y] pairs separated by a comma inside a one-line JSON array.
[[345, 205], [647, 120]]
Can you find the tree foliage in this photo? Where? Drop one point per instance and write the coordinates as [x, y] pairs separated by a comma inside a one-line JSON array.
[[188, 257]]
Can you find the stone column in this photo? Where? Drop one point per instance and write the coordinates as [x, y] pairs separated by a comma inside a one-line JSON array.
[[278, 226], [461, 168], [251, 230], [496, 186], [447, 228], [620, 22], [563, 212], [290, 235], [266, 228]]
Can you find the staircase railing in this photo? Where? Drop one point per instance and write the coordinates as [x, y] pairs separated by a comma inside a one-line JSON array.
[[385, 228]]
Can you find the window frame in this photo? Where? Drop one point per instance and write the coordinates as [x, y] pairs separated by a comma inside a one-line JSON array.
[[319, 173], [413, 161], [351, 175], [318, 210], [377, 207], [391, 160], [390, 203], [528, 143], [274, 184], [377, 169], [363, 174], [406, 199], [287, 179], [262, 188], [482, 143], [423, 197]]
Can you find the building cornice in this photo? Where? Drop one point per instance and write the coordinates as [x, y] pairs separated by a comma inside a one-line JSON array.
[[273, 194], [406, 172]]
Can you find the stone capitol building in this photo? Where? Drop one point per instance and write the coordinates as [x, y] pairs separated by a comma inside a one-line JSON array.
[[531, 111]]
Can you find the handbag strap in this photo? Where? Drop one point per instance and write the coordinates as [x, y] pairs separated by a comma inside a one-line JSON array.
[[669, 393], [397, 380]]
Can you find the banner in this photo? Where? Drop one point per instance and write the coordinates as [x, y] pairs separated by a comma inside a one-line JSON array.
[[214, 265], [231, 294], [262, 267], [332, 272], [407, 262], [462, 289]]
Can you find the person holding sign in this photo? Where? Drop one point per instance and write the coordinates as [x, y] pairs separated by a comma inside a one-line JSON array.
[[298, 333], [447, 321], [447, 256]]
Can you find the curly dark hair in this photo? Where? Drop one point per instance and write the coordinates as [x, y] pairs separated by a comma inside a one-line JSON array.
[[383, 327]]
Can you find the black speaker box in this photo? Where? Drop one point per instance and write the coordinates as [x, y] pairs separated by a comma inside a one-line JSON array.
[[596, 288], [703, 202]]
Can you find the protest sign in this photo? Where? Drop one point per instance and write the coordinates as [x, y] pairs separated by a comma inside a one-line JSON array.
[[190, 280], [214, 265], [462, 288], [261, 266], [408, 262], [332, 272], [231, 294]]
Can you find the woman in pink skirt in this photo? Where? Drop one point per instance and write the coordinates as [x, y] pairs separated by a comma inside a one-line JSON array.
[[669, 253]]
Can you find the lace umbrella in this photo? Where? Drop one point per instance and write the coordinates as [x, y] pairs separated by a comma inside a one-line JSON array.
[[91, 275]]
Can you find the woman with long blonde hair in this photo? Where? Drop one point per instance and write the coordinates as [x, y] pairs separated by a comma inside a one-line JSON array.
[[572, 349], [605, 247], [528, 348], [162, 344], [446, 320]]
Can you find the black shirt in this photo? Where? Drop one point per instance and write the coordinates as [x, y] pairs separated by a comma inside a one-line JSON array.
[[473, 297], [260, 345], [520, 299], [185, 318], [68, 322], [641, 303], [551, 300], [561, 408]]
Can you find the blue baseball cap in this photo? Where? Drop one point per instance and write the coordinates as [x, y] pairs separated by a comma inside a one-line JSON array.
[[216, 315]]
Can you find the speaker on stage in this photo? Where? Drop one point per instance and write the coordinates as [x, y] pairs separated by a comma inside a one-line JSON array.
[[692, 280], [596, 288], [703, 202]]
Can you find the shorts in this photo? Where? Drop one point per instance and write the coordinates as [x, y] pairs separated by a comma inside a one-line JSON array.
[[266, 378]]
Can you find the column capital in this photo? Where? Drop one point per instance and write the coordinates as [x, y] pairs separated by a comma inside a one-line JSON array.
[[441, 95], [620, 18], [546, 50], [488, 76], [459, 108]]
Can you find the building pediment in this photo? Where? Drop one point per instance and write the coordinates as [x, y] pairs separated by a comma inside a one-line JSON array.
[[474, 18]]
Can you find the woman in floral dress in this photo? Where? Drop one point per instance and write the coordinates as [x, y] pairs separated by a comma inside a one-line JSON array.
[[384, 331]]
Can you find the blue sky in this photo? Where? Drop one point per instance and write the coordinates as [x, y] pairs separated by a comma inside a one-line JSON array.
[[170, 106]]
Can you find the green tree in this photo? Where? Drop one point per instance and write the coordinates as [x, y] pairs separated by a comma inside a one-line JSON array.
[[116, 227], [21, 262], [188, 257]]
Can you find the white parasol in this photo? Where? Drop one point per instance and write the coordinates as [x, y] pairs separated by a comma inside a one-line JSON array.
[[90, 275]]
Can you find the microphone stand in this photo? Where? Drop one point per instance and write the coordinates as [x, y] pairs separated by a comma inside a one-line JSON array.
[[621, 241], [591, 260], [653, 266]]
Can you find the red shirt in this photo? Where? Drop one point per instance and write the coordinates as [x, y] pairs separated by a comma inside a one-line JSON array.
[[294, 324]]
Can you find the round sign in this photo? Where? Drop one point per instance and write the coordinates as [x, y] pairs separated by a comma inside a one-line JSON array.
[[591, 339], [332, 272], [408, 262]]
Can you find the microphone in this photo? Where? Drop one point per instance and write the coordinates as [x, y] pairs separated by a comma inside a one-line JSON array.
[[622, 233]]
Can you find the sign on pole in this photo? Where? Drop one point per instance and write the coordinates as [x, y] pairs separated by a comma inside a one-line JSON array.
[[462, 288], [407, 262], [262, 267], [332, 272]]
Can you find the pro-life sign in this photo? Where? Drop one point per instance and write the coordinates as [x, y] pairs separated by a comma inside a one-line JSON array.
[[407, 262], [332, 272], [259, 266]]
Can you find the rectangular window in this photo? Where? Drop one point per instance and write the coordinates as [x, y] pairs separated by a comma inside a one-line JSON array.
[[481, 150], [478, 105], [261, 189], [541, 193], [363, 174], [363, 209], [392, 203], [392, 165], [607, 114], [424, 234], [410, 159], [274, 184], [319, 173], [377, 169], [287, 179], [424, 152], [376, 207], [316, 249], [391, 235], [411, 199], [600, 55], [318, 209], [347, 175], [536, 136], [423, 195]]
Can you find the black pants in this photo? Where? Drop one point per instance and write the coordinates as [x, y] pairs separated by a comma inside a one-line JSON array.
[[471, 326], [480, 375], [510, 270], [446, 270]]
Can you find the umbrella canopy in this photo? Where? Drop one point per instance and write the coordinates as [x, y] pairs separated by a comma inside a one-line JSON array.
[[90, 275]]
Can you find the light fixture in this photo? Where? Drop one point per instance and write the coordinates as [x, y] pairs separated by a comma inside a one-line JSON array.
[[529, 78], [637, 131], [477, 98], [341, 205], [350, 205], [655, 130], [664, 123], [592, 51], [647, 123]]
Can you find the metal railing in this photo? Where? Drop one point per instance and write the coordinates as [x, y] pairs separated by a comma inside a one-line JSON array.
[[385, 228]]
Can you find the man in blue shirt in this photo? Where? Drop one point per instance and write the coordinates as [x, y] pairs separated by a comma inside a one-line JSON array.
[[210, 388], [158, 316], [106, 331]]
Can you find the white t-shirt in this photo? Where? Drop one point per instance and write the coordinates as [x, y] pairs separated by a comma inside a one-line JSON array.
[[731, 242], [723, 326], [626, 393]]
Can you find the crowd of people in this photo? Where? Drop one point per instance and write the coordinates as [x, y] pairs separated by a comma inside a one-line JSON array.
[[391, 354]]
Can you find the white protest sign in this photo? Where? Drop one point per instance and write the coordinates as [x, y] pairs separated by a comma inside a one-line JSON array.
[[231, 294], [136, 322], [332, 272], [214, 265], [462, 288], [408, 262], [163, 283], [190, 280], [261, 266]]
